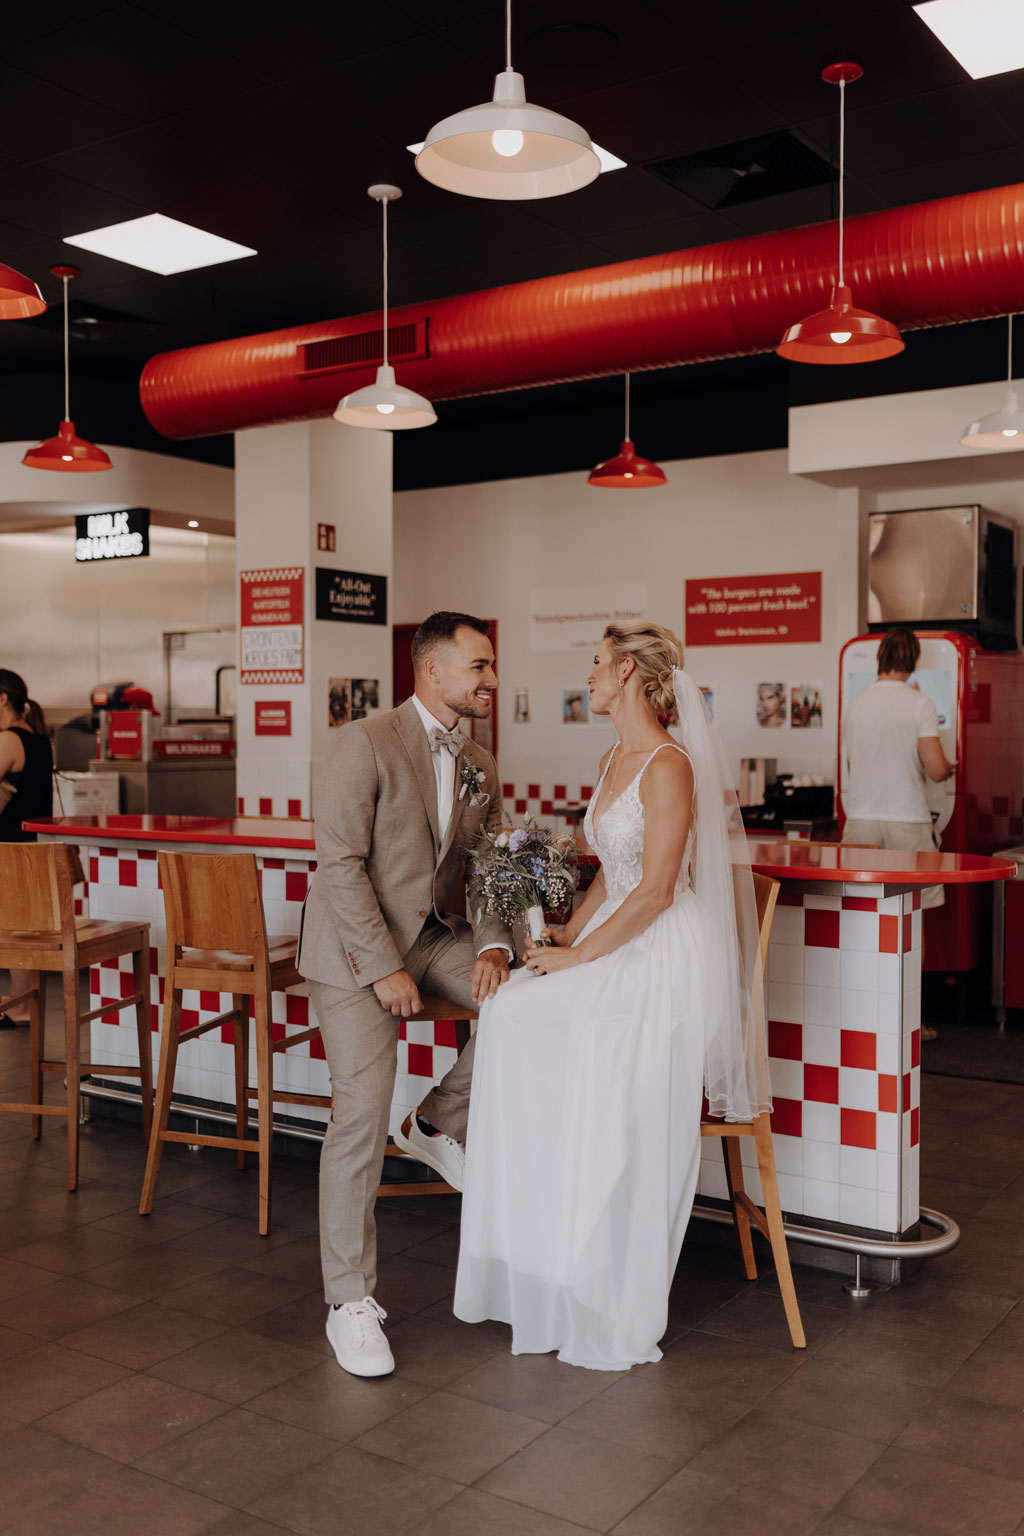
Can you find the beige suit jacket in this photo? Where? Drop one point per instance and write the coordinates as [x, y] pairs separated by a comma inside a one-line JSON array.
[[382, 869]]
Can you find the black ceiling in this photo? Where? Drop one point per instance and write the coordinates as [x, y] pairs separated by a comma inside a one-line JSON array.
[[266, 123]]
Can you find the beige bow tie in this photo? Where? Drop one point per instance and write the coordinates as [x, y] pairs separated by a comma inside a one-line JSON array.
[[448, 741]]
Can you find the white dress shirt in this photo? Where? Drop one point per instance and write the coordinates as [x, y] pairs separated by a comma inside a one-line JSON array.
[[445, 768]]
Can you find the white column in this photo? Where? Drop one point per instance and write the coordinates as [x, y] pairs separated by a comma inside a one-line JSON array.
[[289, 480]]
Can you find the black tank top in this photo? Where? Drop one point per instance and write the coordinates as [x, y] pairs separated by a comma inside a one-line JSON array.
[[34, 785]]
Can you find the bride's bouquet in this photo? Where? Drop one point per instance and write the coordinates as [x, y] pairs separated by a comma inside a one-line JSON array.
[[519, 872]]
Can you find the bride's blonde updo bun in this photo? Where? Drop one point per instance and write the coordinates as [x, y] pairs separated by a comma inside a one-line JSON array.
[[656, 652]]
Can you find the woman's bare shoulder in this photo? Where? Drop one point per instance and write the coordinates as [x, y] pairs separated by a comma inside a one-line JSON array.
[[671, 769]]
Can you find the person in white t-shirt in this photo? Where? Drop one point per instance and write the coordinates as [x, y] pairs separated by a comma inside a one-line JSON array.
[[891, 748]]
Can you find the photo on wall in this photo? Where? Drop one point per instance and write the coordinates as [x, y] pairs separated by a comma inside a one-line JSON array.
[[575, 707], [351, 698], [805, 706], [771, 705]]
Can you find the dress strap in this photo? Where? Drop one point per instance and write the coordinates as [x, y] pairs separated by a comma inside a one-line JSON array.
[[654, 754], [678, 748]]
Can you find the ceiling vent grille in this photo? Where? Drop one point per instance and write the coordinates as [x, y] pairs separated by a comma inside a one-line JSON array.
[[746, 171], [365, 349]]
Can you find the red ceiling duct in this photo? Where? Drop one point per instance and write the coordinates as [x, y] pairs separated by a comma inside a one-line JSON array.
[[961, 258]]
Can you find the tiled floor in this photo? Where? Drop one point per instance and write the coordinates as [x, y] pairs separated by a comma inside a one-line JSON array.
[[170, 1376]]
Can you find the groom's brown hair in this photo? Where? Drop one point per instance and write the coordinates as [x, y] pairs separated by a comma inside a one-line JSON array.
[[440, 629]]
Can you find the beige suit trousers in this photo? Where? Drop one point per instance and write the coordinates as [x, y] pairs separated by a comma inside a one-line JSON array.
[[361, 1044]]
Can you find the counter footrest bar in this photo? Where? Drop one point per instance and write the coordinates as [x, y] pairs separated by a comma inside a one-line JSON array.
[[868, 1247]]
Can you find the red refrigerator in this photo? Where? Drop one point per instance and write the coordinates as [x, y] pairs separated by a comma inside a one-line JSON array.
[[979, 696]]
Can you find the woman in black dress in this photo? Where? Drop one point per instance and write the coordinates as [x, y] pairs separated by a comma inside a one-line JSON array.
[[26, 763]]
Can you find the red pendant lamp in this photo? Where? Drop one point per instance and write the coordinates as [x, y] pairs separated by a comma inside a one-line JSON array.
[[67, 451], [841, 333], [20, 298], [627, 471]]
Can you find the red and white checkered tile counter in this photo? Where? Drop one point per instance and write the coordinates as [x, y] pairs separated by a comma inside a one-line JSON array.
[[844, 1000], [844, 1030], [844, 1042], [124, 883]]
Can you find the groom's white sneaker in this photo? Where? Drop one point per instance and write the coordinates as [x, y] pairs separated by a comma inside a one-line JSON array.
[[357, 1339], [440, 1152]]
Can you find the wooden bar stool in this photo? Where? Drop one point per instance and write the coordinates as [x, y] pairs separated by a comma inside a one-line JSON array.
[[769, 1220], [217, 942], [433, 1008], [39, 934]]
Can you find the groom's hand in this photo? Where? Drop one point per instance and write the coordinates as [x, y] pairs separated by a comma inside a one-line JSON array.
[[399, 994], [489, 971]]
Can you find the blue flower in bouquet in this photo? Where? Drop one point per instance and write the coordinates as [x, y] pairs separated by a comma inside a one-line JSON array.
[[513, 871]]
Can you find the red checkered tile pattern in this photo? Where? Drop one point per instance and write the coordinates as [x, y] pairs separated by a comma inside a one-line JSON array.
[[844, 1050], [124, 882], [843, 993], [274, 805], [540, 799]]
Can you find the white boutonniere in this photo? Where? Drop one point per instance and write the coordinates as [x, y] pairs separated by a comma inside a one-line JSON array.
[[472, 784]]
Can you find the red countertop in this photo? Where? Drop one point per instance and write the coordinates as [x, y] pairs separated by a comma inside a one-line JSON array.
[[873, 866], [250, 831], [783, 860]]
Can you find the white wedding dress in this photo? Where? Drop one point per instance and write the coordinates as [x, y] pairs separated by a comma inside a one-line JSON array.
[[584, 1130]]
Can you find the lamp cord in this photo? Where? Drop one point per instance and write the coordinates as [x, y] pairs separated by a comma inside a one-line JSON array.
[[508, 34], [67, 369], [1009, 351], [384, 208], [627, 407], [842, 171]]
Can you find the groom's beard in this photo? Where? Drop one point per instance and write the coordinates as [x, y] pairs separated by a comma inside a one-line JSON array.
[[468, 707]]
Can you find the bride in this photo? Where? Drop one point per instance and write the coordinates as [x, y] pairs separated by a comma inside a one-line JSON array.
[[584, 1130]]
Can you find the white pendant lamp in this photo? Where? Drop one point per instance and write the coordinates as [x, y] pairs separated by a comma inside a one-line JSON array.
[[508, 148], [1004, 429], [385, 405]]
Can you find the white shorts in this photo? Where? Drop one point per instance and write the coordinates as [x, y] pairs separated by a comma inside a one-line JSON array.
[[907, 837]]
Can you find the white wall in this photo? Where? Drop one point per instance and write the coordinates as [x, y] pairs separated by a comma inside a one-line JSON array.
[[66, 627], [138, 479], [290, 478], [483, 547]]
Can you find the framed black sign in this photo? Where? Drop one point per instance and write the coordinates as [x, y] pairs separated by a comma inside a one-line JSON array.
[[351, 597], [112, 535]]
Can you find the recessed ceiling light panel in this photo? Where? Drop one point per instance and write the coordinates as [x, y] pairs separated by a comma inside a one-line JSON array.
[[985, 36], [159, 244]]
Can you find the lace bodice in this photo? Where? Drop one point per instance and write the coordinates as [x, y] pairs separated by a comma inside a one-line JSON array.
[[618, 837]]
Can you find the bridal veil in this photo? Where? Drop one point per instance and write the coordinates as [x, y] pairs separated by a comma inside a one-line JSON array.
[[735, 1047]]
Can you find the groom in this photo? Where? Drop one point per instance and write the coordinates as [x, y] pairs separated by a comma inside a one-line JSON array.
[[398, 801]]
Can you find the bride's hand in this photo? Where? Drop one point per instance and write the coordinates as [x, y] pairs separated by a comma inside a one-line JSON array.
[[557, 936], [543, 959]]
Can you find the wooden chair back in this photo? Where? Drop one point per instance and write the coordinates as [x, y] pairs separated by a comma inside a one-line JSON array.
[[212, 901], [35, 890], [766, 894]]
